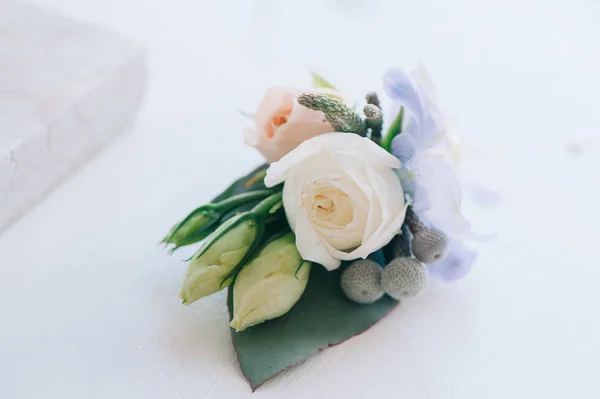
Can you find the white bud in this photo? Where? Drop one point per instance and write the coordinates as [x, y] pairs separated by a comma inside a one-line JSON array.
[[209, 270], [270, 284]]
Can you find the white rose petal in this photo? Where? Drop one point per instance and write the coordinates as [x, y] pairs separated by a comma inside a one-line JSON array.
[[341, 196]]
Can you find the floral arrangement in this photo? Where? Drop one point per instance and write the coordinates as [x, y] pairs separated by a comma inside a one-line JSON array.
[[341, 223]]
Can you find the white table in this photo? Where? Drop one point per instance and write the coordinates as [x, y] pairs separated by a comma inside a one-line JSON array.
[[88, 301]]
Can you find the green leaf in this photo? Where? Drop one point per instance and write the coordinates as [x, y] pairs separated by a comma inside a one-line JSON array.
[[323, 317], [300, 265], [243, 208], [320, 83], [394, 130], [250, 182]]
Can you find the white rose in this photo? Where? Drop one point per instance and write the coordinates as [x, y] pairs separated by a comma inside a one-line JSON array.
[[341, 197]]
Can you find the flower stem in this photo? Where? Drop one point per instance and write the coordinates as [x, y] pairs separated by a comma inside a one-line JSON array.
[[240, 199], [268, 205]]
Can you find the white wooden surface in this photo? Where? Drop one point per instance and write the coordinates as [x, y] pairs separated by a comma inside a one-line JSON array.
[[88, 301], [67, 89]]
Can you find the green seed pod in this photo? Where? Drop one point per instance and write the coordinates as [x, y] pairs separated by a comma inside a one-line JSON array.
[[404, 278], [361, 281]]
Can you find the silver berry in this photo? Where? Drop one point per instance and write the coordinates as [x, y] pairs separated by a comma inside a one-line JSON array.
[[361, 281], [404, 278], [429, 245]]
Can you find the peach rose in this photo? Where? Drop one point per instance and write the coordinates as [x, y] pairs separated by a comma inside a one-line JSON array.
[[281, 124]]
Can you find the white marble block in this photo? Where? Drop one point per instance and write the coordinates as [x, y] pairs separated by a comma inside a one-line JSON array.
[[67, 90]]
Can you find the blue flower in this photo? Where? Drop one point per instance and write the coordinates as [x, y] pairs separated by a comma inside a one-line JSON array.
[[426, 175], [426, 124]]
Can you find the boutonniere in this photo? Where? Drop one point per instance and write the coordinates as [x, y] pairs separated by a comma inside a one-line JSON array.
[[344, 220]]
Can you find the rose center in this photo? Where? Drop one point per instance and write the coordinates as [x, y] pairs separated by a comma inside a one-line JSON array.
[[332, 206], [324, 206], [280, 118]]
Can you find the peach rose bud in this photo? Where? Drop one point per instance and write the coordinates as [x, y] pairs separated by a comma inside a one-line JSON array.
[[281, 124]]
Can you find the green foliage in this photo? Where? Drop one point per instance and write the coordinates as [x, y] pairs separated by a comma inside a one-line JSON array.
[[270, 284], [204, 220], [241, 196], [320, 83], [250, 182], [323, 317], [226, 250], [394, 130]]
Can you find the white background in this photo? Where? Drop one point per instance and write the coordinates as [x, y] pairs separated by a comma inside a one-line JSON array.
[[88, 301]]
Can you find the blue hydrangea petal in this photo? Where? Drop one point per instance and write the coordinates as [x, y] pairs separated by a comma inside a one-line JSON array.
[[421, 200], [404, 147], [456, 265], [407, 181], [443, 188], [431, 131], [400, 88]]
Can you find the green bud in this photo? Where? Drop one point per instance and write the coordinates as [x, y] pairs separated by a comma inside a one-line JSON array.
[[210, 269], [225, 250], [270, 284], [195, 227], [204, 220]]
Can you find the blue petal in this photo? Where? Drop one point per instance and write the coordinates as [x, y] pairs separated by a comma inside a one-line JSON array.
[[421, 202], [424, 120], [456, 265], [399, 87], [404, 147], [412, 127], [440, 182], [407, 182], [431, 126]]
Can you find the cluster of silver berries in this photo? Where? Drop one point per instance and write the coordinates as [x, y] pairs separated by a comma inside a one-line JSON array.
[[405, 275]]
